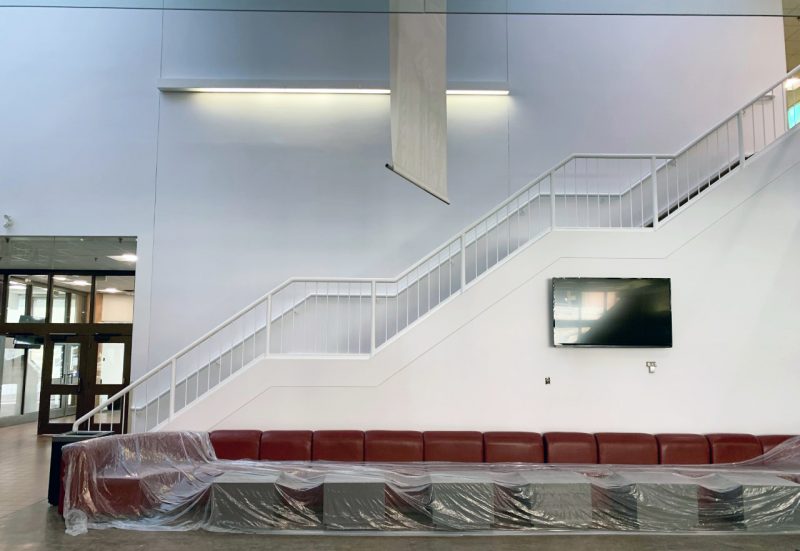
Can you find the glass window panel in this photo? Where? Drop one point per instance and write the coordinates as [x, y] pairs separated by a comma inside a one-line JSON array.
[[71, 298], [110, 363], [66, 363], [114, 299], [33, 379], [17, 299], [63, 408], [38, 299], [59, 313], [11, 373]]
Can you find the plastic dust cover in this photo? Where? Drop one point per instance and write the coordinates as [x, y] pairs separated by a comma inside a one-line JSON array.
[[173, 481]]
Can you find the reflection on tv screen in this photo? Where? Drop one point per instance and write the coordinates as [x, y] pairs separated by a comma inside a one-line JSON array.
[[612, 312]]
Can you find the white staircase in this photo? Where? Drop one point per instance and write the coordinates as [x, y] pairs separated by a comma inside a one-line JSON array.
[[326, 318]]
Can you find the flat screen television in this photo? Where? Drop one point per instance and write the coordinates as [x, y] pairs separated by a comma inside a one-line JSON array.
[[613, 312]]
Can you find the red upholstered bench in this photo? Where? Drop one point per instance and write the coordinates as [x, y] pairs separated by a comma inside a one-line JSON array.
[[285, 445], [683, 449], [626, 448], [453, 446], [769, 441], [393, 446], [97, 477], [513, 447], [732, 448], [570, 447], [338, 445], [118, 492], [236, 444]]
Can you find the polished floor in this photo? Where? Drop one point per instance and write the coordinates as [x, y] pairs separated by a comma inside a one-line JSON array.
[[28, 523], [24, 464]]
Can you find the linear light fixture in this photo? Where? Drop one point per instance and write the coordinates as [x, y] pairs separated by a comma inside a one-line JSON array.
[[376, 91], [317, 87], [478, 92], [126, 257], [373, 91]]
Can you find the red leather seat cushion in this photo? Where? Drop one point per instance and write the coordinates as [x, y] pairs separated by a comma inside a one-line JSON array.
[[454, 446], [683, 449], [338, 445], [769, 441], [236, 444], [285, 445], [570, 447], [731, 448], [626, 448], [393, 446], [513, 447]]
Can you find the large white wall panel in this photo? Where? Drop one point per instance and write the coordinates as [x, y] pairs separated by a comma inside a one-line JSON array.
[[78, 112]]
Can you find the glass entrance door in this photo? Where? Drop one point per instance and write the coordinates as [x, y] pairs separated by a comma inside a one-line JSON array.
[[20, 374], [64, 380], [79, 372]]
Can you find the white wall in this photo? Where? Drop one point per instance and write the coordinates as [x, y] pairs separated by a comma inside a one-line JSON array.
[[230, 195], [480, 361]]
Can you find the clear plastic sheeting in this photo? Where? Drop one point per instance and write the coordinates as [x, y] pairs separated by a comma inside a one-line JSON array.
[[173, 481]]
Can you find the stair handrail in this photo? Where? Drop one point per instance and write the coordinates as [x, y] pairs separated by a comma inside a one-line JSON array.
[[733, 115], [267, 297]]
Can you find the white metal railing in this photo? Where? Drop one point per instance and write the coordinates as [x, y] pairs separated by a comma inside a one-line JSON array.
[[357, 317]]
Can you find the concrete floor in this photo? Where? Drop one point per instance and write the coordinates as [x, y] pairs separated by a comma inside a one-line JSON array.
[[28, 523]]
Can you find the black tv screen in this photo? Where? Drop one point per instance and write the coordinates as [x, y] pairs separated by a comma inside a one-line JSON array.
[[612, 312]]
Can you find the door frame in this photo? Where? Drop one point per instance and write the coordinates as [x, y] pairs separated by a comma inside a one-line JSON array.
[[89, 336], [41, 328], [48, 389]]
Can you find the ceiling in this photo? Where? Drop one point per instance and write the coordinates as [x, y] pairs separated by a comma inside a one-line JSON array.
[[66, 253]]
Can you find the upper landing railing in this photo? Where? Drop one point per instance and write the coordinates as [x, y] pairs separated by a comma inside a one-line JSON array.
[[330, 317]]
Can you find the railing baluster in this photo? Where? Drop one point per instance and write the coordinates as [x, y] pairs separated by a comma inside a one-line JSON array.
[[586, 178], [385, 287], [596, 188], [347, 318], [654, 179], [740, 128], [552, 201], [172, 370], [575, 192], [374, 293], [304, 318], [268, 331]]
